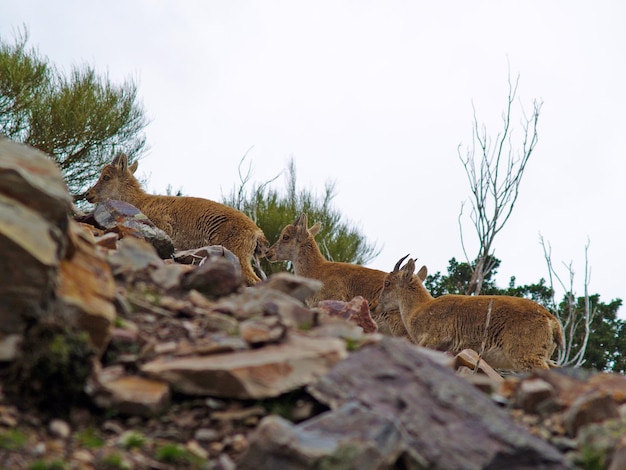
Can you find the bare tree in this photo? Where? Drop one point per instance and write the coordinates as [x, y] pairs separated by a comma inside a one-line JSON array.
[[573, 321], [494, 169]]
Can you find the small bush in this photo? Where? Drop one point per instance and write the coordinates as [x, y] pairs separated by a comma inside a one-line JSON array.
[[90, 439], [12, 439]]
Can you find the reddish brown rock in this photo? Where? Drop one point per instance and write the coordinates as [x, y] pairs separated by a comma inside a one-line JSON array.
[[262, 373], [356, 310], [470, 359], [86, 289], [134, 395]]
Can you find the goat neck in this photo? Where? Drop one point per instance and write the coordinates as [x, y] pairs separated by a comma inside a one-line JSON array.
[[308, 259]]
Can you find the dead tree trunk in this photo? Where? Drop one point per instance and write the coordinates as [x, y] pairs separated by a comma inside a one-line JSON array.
[[494, 169], [576, 324]]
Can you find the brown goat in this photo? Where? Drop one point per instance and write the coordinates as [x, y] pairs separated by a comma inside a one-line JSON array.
[[521, 334], [340, 281], [190, 222]]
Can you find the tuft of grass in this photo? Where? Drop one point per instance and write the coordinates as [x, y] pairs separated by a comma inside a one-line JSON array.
[[590, 458], [176, 454], [12, 439], [132, 440], [115, 461], [352, 345], [90, 439], [43, 465]]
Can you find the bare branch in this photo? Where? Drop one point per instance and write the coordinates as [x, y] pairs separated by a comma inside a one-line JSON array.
[[485, 336], [494, 173], [573, 322]]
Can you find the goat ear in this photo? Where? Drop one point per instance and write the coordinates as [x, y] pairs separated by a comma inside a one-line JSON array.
[[133, 167], [301, 221], [408, 270], [315, 229], [422, 273], [121, 161]]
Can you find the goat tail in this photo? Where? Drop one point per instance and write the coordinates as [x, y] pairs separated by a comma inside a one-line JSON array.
[[557, 334], [260, 250], [262, 245]]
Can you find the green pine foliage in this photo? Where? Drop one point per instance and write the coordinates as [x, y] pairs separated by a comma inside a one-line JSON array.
[[273, 209], [79, 119], [606, 349]]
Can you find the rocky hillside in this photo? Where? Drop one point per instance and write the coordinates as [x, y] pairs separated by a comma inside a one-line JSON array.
[[116, 352]]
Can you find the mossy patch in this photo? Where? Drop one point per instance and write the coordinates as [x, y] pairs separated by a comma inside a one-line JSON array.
[[52, 370]]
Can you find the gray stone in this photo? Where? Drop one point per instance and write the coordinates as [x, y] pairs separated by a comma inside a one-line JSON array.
[[535, 395], [59, 428], [297, 287], [591, 407], [351, 437], [34, 216], [133, 256], [452, 425], [216, 277], [128, 220]]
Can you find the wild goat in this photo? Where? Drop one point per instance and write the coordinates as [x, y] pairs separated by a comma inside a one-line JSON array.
[[340, 281], [521, 334], [190, 222]]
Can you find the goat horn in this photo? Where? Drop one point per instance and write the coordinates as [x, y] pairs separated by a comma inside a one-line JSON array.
[[397, 266]]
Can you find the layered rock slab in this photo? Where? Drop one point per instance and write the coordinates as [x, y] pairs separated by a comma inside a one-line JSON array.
[[252, 374], [442, 422]]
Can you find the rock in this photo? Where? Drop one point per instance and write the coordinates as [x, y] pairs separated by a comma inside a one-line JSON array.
[[618, 459], [535, 396], [356, 310], [469, 358], [568, 384], [169, 276], [352, 437], [9, 346], [198, 256], [34, 215], [133, 256], [59, 428], [396, 380], [53, 367], [126, 219], [206, 435], [259, 331], [133, 395], [604, 442], [612, 384], [86, 290], [480, 381], [590, 407], [261, 300], [298, 287], [30, 178], [263, 373], [215, 277], [219, 322]]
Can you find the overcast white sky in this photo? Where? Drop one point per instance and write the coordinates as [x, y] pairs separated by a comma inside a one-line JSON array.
[[376, 96]]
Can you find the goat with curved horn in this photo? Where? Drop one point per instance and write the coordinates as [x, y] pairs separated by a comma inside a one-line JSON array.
[[340, 281], [522, 334], [397, 266]]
